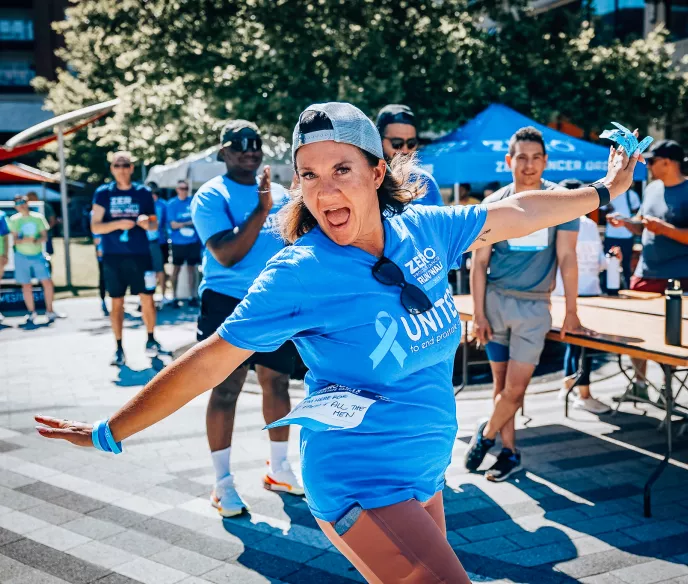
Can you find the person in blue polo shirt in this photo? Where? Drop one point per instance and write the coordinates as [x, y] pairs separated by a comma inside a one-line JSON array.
[[397, 126], [236, 218], [363, 292], [123, 211], [158, 240], [186, 245]]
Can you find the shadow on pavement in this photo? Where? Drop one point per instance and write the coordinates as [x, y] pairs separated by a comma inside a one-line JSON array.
[[570, 479]]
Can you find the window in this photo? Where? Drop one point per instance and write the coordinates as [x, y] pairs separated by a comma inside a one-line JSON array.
[[16, 29], [677, 18], [16, 73]]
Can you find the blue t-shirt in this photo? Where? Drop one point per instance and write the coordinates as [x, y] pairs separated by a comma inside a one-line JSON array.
[[180, 211], [138, 200], [432, 193], [4, 229], [352, 330], [222, 204], [160, 234]]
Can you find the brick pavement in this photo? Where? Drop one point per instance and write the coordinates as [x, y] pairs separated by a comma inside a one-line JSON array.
[[76, 515]]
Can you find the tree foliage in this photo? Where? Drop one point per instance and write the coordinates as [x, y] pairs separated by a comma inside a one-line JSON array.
[[182, 67]]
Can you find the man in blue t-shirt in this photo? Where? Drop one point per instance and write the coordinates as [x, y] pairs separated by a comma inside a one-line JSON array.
[[397, 126], [158, 240], [512, 303], [662, 221], [123, 212], [186, 246], [235, 217]]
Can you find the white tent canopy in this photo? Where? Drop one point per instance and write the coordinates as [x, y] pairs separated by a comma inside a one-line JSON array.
[[202, 166]]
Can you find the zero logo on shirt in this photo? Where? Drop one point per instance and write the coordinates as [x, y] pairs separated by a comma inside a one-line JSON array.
[[123, 206], [426, 268]]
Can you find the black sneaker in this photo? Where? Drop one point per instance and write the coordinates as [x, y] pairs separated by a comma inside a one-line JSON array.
[[153, 348], [477, 449], [508, 463], [118, 360], [193, 303]]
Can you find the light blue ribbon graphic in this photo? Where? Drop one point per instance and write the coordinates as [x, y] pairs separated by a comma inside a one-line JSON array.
[[388, 341]]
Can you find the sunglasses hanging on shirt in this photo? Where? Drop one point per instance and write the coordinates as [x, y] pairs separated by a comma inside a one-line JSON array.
[[413, 299]]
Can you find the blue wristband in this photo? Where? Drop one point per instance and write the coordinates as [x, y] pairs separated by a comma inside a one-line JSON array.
[[115, 447], [94, 435]]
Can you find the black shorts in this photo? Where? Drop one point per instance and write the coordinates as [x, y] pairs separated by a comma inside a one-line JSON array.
[[165, 250], [216, 307], [189, 254], [122, 272]]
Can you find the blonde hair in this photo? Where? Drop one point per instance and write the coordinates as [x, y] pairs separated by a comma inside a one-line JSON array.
[[397, 190]]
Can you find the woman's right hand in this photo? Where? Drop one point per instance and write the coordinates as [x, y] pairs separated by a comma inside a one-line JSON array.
[[615, 220], [75, 432]]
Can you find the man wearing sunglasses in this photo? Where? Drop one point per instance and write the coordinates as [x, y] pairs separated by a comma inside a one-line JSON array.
[[30, 231], [235, 217], [186, 246], [123, 211], [663, 223], [397, 126]]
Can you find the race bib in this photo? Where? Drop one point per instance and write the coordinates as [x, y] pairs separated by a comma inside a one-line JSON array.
[[187, 231], [336, 407], [534, 242]]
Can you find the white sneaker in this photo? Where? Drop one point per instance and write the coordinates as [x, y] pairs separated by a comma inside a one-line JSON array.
[[226, 499], [2, 317], [283, 479], [31, 318], [592, 405], [53, 316]]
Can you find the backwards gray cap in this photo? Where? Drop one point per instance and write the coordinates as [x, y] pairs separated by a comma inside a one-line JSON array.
[[349, 126]]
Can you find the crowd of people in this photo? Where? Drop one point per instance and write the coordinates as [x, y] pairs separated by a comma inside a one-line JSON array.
[[348, 269]]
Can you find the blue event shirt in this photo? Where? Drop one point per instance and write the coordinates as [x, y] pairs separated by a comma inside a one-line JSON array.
[[352, 330], [180, 211], [138, 200], [221, 204], [4, 229], [432, 193], [159, 234]]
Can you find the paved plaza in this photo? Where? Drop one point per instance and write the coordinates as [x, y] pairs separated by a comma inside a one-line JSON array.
[[79, 516]]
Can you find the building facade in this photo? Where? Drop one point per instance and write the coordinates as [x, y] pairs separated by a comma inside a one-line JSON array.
[[27, 50]]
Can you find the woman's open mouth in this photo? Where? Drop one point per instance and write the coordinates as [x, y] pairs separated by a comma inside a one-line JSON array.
[[337, 217]]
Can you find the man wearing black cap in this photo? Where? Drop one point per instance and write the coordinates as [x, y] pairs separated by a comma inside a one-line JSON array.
[[397, 126], [663, 222], [235, 217]]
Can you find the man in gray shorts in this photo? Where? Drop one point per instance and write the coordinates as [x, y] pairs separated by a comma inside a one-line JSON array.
[[512, 306]]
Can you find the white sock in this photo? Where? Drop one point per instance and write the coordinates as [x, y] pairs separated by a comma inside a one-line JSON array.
[[221, 463], [278, 454]]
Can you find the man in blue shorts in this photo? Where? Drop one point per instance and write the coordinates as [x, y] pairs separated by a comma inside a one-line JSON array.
[[397, 126], [30, 232], [512, 303], [235, 217], [123, 211]]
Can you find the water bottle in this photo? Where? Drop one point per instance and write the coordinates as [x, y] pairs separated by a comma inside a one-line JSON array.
[[674, 313], [613, 274]]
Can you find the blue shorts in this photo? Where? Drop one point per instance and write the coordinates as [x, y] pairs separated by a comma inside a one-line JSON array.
[[24, 265]]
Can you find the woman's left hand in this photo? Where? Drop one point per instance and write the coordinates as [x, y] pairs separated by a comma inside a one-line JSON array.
[[75, 432], [620, 170]]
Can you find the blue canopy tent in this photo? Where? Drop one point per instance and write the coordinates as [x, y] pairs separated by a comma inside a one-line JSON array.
[[475, 152]]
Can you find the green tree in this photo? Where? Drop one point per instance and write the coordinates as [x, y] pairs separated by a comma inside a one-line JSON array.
[[182, 67]]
